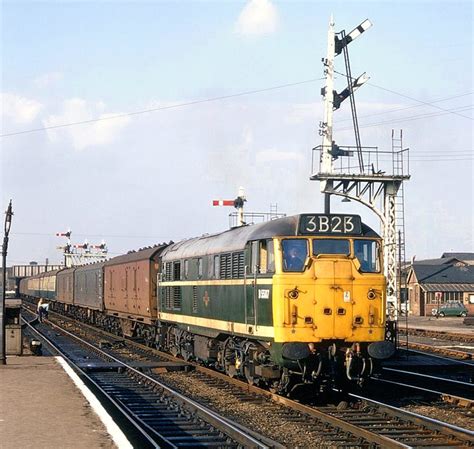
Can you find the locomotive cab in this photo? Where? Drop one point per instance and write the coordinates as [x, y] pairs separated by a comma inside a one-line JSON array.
[[328, 298]]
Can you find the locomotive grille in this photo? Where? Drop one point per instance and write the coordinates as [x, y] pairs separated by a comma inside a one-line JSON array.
[[167, 298], [226, 266], [176, 297], [238, 265], [195, 300], [168, 271]]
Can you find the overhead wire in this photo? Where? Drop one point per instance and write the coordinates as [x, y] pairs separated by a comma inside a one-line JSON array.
[[161, 108], [412, 117], [409, 97], [240, 94], [389, 111]]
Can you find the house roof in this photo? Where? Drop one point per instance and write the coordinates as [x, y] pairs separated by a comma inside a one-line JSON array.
[[442, 261], [448, 287], [459, 256], [444, 274]]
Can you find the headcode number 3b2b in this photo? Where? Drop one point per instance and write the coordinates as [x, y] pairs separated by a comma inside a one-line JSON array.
[[327, 224]]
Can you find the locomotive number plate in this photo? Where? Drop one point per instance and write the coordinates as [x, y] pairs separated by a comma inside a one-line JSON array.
[[330, 224]]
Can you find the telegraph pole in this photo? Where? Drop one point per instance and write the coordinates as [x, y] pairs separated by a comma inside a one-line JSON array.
[[8, 223], [326, 125], [369, 186]]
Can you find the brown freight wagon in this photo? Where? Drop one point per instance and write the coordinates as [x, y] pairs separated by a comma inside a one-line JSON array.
[[130, 285], [65, 286]]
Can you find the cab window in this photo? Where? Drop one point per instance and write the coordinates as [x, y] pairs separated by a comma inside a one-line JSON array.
[[262, 258], [331, 246], [367, 253], [295, 252]]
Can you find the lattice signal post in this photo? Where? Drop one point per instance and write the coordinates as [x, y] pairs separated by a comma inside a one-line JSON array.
[[377, 178], [80, 254]]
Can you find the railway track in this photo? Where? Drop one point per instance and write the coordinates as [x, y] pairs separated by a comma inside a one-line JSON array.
[[440, 335], [454, 347], [364, 423], [443, 385], [160, 415]]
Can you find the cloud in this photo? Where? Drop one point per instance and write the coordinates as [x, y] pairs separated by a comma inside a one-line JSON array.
[[19, 110], [303, 112], [86, 135], [259, 17], [275, 155], [48, 79]]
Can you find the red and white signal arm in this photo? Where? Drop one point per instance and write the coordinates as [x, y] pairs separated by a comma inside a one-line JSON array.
[[223, 202]]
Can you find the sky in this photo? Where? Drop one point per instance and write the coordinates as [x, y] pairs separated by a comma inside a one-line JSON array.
[[234, 93]]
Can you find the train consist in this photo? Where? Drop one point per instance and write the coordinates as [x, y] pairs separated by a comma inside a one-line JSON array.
[[297, 300]]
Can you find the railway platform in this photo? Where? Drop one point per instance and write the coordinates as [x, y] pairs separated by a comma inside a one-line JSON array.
[[44, 405], [453, 325]]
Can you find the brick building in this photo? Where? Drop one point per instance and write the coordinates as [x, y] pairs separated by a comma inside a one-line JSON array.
[[434, 282]]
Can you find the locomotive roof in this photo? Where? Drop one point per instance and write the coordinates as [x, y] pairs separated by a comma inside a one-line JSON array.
[[236, 238]]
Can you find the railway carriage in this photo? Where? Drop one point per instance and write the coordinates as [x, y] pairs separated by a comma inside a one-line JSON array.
[[65, 288], [42, 285], [89, 286], [130, 296]]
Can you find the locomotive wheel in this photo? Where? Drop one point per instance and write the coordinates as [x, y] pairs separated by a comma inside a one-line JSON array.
[[230, 370], [250, 378], [149, 337]]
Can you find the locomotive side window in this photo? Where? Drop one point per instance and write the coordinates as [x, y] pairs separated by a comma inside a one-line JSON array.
[[270, 256], [186, 269], [216, 267], [263, 257], [254, 263], [331, 246], [200, 268], [367, 253], [295, 252], [267, 256]]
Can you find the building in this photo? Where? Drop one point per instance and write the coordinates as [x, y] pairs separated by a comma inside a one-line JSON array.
[[433, 282]]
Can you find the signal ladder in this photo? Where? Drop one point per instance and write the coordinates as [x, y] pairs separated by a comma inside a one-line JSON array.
[[398, 170]]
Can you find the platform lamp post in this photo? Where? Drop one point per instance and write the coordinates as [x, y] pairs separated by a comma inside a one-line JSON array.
[[8, 223]]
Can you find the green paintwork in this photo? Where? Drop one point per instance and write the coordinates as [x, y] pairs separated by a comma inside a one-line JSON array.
[[224, 302]]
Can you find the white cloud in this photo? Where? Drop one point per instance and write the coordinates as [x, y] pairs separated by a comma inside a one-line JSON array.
[[259, 17], [19, 110], [274, 155], [48, 79], [91, 134], [300, 113]]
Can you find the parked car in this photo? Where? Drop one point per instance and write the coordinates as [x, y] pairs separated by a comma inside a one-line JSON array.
[[451, 309]]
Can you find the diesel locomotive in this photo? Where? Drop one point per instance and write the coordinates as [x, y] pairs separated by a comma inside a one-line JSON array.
[[294, 301]]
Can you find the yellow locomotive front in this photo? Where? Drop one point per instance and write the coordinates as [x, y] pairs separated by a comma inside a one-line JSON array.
[[329, 298]]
